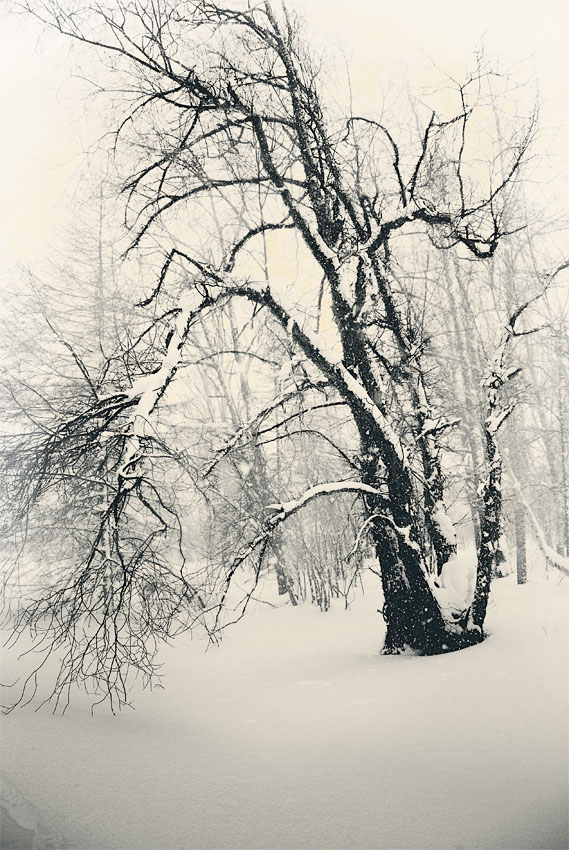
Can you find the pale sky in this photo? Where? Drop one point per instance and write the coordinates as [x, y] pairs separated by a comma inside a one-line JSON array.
[[43, 133]]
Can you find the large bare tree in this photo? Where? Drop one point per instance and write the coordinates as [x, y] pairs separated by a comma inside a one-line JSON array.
[[233, 154]]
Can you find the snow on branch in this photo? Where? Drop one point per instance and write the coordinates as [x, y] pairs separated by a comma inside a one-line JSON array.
[[402, 533], [357, 389], [278, 513], [431, 427], [285, 509], [148, 389], [497, 417], [349, 387]]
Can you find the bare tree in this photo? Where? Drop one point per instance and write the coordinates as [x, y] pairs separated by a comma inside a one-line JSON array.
[[226, 121]]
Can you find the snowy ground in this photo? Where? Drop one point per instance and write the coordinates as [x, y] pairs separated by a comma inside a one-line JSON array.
[[297, 734]]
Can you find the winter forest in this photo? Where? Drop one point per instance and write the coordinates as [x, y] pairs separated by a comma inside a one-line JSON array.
[[284, 426]]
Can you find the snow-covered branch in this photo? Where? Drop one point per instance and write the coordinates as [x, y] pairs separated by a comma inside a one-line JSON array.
[[283, 510], [432, 427], [148, 389]]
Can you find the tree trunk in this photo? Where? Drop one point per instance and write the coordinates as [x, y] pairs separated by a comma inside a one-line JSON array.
[[411, 612], [490, 530], [285, 584], [475, 518], [520, 526]]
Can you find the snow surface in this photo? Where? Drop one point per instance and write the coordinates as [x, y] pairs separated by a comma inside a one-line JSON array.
[[295, 733]]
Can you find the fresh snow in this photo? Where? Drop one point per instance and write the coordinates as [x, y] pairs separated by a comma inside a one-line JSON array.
[[454, 588], [296, 733], [320, 490], [444, 523]]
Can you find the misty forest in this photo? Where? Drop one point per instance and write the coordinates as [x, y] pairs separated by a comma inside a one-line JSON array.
[[285, 447]]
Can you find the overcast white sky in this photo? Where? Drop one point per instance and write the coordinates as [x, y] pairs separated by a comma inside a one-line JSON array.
[[43, 136]]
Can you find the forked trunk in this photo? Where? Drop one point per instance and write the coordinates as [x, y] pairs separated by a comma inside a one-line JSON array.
[[411, 612]]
